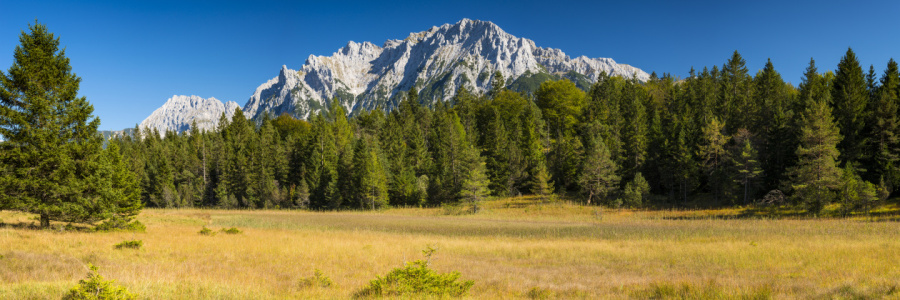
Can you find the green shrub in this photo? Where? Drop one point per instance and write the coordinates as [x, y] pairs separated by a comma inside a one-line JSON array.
[[117, 223], [207, 231], [95, 287], [232, 230], [416, 279], [135, 244], [317, 280]]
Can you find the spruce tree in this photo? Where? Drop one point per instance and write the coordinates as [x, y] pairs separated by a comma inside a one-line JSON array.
[[736, 93], [816, 176], [850, 97], [712, 151], [52, 144], [475, 186], [746, 164], [773, 124], [634, 135], [116, 189], [369, 178], [884, 142], [598, 177]]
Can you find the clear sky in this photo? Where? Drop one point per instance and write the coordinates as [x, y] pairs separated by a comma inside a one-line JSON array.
[[133, 55]]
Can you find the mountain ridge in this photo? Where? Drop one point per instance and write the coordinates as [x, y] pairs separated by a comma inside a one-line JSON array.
[[180, 111], [437, 61]]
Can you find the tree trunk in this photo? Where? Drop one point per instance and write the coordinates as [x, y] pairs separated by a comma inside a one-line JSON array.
[[746, 190], [45, 221]]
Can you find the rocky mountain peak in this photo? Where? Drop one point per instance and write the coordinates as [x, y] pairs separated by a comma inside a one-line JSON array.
[[179, 112], [437, 62]]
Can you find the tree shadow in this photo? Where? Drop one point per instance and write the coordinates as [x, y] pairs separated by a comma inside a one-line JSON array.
[[786, 212], [33, 226]]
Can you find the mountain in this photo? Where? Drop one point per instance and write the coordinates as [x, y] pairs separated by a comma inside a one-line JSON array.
[[179, 112], [364, 76], [437, 62]]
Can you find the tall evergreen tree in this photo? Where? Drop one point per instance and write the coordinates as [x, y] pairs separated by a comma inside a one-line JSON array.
[[850, 97], [773, 124], [475, 186], [370, 180], [598, 177], [746, 164], [884, 141], [52, 144], [117, 190], [736, 93], [714, 156], [816, 176], [634, 137]]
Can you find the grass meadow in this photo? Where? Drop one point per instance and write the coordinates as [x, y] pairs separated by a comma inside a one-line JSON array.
[[513, 248]]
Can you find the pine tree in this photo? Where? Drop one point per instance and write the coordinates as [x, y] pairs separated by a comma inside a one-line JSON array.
[[634, 135], [453, 157], [884, 129], [52, 143], [746, 164], [636, 192], [850, 98], [117, 190], [736, 93], [890, 81], [541, 184], [475, 186], [854, 192], [368, 175], [605, 108], [713, 153], [537, 180], [773, 124], [816, 175], [598, 178]]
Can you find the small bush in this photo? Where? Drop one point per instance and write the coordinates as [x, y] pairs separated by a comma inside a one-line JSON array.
[[317, 280], [416, 279], [232, 230], [135, 244], [117, 223], [207, 231], [95, 287]]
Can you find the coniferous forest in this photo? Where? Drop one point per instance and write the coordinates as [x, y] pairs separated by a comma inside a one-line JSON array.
[[722, 136]]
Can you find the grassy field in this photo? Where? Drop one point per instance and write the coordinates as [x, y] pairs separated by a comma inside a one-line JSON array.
[[514, 248]]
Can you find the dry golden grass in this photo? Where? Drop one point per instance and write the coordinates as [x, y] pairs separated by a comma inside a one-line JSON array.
[[514, 248]]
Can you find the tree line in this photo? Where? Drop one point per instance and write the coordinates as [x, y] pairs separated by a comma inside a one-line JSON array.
[[722, 136]]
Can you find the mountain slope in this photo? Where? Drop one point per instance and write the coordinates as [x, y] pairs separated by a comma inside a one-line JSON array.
[[437, 62], [179, 112]]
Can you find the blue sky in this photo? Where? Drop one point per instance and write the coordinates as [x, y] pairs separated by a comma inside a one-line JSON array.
[[133, 55]]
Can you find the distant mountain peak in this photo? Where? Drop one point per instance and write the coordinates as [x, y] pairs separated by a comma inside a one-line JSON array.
[[437, 62], [180, 111]]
